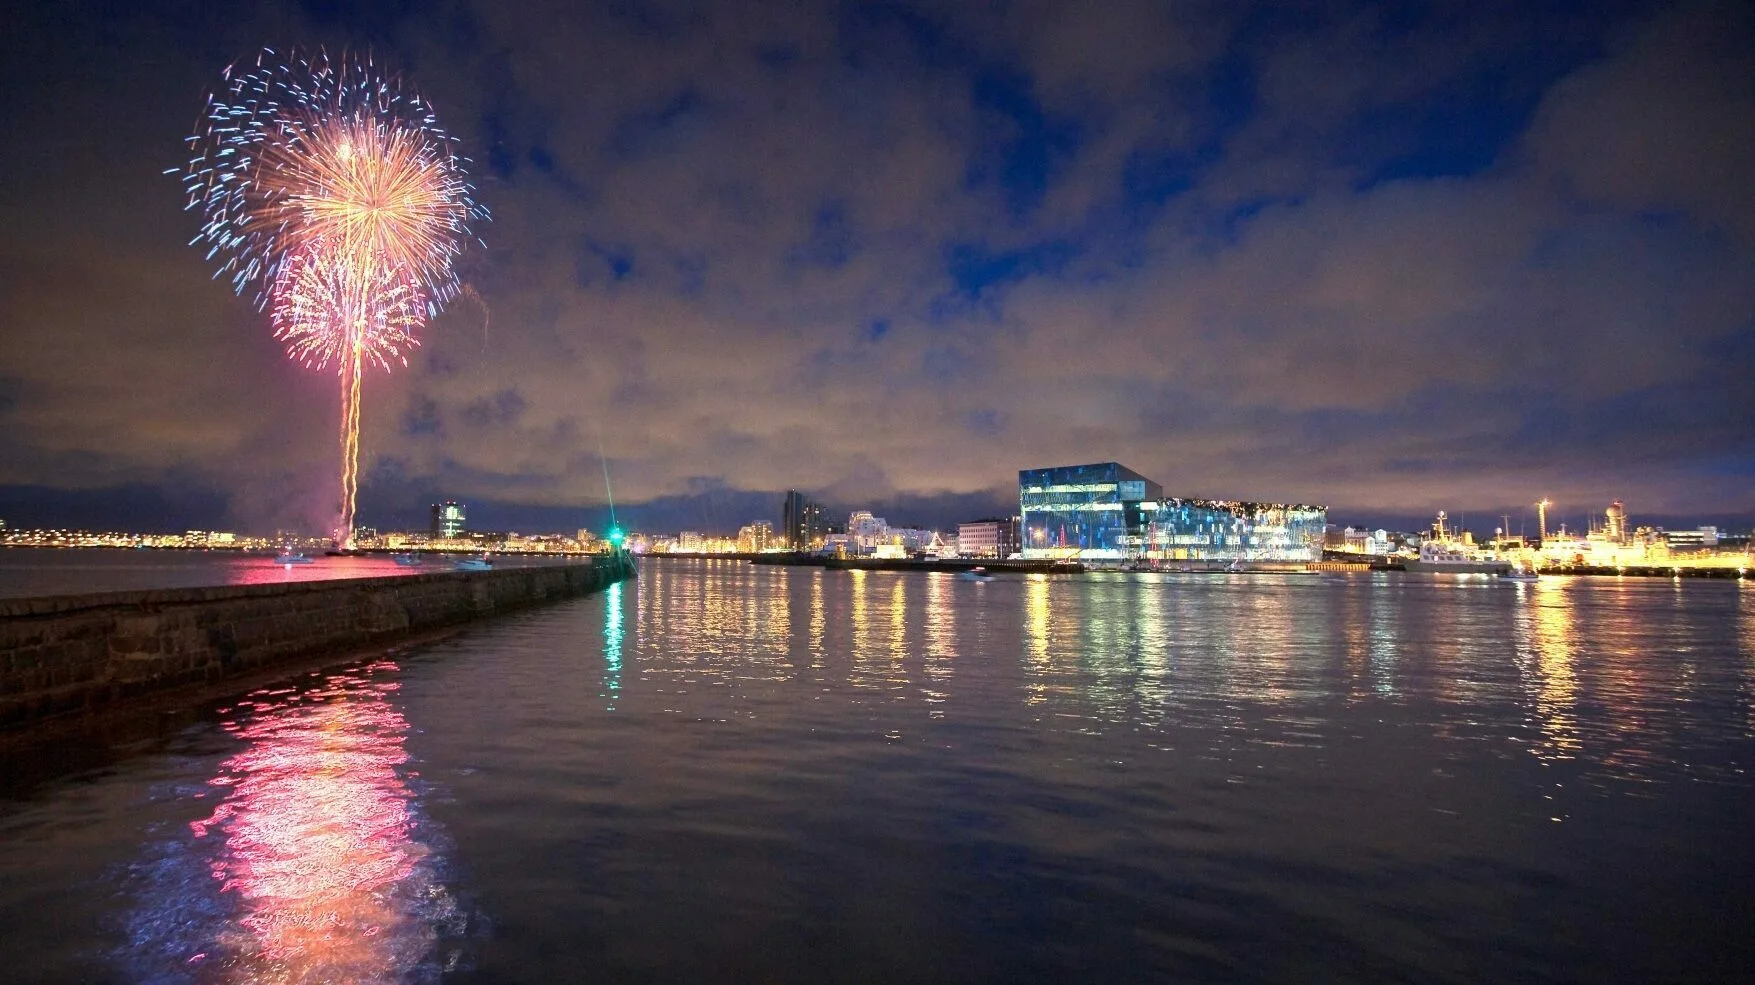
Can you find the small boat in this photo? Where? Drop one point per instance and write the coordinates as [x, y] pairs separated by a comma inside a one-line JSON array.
[[474, 564], [406, 560], [975, 574], [293, 557], [1520, 572]]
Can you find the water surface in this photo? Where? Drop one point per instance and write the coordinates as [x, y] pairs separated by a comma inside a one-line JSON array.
[[726, 772]]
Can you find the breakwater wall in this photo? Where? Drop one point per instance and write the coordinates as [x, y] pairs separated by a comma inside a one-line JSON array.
[[65, 655]]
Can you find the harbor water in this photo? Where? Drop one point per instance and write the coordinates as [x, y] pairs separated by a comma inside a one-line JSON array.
[[737, 773]]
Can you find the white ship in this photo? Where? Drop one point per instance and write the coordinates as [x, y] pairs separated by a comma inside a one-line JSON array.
[[1441, 554]]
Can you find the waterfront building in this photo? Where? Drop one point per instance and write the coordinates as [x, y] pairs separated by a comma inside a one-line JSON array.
[[1084, 510], [1383, 542], [755, 537], [913, 540], [1108, 511], [801, 521], [448, 520], [867, 531], [992, 537]]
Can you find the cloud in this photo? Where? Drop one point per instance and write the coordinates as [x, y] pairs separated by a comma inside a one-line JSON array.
[[894, 252], [1666, 123]]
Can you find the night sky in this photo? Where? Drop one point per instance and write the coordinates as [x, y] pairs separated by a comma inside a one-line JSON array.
[[1388, 257]]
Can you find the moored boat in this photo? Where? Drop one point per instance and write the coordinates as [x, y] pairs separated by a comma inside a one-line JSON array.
[[1522, 571], [1441, 554]]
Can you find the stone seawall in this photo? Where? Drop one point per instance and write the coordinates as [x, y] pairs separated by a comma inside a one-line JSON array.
[[64, 655]]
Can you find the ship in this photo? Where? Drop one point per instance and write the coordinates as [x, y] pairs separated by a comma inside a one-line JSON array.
[[1442, 554]]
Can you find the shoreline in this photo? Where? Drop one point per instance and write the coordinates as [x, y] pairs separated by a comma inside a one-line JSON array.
[[1329, 566]]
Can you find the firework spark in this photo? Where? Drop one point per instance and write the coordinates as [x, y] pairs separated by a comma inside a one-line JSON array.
[[328, 311], [335, 196]]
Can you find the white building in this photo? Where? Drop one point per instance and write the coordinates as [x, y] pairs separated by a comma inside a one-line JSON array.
[[867, 531]]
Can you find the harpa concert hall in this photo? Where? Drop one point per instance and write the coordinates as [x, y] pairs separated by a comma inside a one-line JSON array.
[[1109, 511]]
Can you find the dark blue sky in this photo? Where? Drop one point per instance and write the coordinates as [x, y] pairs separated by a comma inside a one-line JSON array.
[[1389, 257]]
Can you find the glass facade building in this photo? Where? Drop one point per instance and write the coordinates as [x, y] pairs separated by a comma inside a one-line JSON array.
[[1083, 510], [1107, 511], [448, 520]]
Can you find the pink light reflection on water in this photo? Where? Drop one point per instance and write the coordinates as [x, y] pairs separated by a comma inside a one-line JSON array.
[[261, 570], [321, 871]]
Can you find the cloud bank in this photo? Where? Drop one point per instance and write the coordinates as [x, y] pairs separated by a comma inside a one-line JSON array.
[[892, 253]]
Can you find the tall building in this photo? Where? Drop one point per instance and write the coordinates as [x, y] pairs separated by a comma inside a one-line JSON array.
[[1107, 510], [448, 520], [993, 537], [801, 522], [755, 537]]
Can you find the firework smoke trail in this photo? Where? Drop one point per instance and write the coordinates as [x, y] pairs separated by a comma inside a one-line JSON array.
[[336, 197]]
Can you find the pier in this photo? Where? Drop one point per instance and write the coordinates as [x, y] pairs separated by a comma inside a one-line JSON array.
[[66, 656]]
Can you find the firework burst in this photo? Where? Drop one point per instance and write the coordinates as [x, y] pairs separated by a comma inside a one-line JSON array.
[[328, 311], [319, 150], [334, 196]]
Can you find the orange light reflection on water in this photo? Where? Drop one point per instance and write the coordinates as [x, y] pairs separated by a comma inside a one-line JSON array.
[[941, 641], [1746, 639], [1546, 640], [1036, 614]]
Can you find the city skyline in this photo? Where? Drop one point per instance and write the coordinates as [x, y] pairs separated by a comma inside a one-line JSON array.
[[890, 254], [1561, 518]]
